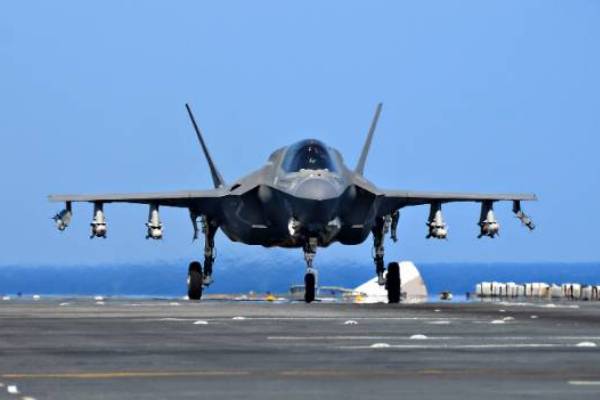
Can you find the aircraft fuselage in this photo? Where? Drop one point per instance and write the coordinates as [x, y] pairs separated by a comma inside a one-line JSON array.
[[287, 207]]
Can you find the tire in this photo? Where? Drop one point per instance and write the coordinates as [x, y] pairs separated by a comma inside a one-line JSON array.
[[195, 280], [309, 288], [393, 282]]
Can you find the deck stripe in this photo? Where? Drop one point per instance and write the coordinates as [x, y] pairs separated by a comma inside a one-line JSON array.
[[123, 374]]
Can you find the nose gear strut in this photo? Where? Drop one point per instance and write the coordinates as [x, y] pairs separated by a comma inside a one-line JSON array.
[[310, 279]]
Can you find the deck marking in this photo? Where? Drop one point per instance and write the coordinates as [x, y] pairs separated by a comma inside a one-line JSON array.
[[466, 346], [383, 337], [354, 318], [345, 373], [173, 319], [316, 319], [585, 383], [123, 374], [12, 389], [311, 338]]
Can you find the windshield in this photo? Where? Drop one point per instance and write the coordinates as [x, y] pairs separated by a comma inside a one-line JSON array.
[[308, 154]]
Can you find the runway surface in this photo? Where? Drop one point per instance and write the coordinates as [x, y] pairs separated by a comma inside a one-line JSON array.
[[174, 349]]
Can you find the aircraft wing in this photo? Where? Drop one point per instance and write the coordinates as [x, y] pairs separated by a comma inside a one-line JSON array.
[[392, 200], [200, 200]]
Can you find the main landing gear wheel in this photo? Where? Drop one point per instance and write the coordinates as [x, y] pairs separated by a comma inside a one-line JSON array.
[[195, 279], [309, 287], [393, 282]]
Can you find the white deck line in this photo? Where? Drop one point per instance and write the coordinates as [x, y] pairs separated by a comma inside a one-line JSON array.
[[348, 338], [320, 319], [406, 337], [467, 346]]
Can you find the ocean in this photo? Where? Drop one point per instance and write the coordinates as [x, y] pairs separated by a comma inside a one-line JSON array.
[[275, 276]]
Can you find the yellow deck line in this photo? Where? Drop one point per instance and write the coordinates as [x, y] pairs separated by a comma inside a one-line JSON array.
[[122, 374]]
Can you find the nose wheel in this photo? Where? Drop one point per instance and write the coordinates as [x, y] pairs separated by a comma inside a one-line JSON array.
[[195, 280], [310, 287]]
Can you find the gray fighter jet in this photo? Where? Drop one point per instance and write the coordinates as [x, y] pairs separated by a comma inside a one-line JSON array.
[[304, 197]]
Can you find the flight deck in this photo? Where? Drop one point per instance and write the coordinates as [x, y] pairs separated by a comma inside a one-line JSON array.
[[128, 348]]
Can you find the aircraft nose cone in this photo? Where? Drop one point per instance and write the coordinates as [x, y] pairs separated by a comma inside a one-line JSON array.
[[316, 189]]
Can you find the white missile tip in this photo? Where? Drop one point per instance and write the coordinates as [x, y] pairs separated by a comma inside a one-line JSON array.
[[36, 297], [100, 303], [380, 345], [502, 310], [63, 304], [5, 298], [534, 317], [238, 318], [497, 322], [437, 310], [508, 319], [586, 344], [350, 322], [98, 298], [201, 322], [418, 337]]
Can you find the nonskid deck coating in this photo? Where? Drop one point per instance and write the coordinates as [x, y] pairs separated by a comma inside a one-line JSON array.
[[78, 348]]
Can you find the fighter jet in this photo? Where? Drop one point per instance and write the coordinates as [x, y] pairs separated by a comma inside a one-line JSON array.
[[303, 197]]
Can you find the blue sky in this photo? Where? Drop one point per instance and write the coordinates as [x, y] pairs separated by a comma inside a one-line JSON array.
[[479, 96]]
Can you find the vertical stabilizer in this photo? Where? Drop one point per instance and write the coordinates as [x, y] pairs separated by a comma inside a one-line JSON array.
[[214, 172], [360, 167]]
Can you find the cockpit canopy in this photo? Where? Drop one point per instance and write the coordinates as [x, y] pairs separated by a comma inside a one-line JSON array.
[[308, 154]]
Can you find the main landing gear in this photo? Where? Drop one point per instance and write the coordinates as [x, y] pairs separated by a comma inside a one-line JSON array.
[[392, 279], [379, 231], [195, 280], [198, 278], [392, 284], [310, 278], [209, 228]]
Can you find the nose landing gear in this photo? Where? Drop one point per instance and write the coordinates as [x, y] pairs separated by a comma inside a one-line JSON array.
[[310, 279], [310, 284]]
